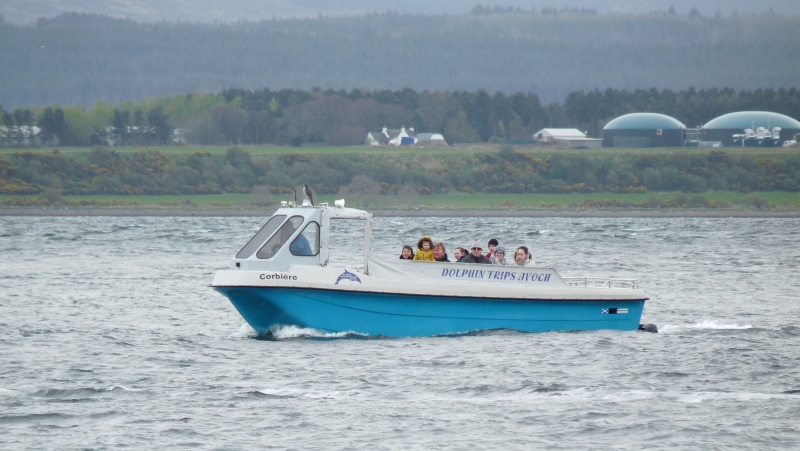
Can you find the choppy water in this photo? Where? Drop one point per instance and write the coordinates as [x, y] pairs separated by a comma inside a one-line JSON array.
[[109, 338]]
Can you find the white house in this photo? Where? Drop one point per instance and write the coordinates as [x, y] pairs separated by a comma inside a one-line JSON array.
[[20, 136], [391, 137], [377, 139]]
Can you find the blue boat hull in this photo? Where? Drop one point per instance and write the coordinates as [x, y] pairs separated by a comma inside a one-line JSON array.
[[411, 315]]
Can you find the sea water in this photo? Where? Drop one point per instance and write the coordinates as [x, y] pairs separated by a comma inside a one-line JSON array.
[[110, 338]]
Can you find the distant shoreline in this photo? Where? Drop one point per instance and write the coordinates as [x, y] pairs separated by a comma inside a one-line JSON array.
[[122, 212]]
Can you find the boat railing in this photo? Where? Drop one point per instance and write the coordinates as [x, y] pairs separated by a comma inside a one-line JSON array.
[[600, 282]]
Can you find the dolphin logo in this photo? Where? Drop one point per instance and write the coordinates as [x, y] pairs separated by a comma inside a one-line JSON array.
[[346, 275]]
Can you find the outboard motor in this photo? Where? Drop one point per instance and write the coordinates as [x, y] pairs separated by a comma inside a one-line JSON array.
[[648, 328]]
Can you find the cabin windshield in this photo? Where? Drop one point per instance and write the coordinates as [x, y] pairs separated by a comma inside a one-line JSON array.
[[267, 230], [271, 247]]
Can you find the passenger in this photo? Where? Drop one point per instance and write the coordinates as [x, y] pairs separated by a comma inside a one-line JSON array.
[[499, 257], [476, 256], [300, 246], [425, 251], [492, 246], [523, 258], [459, 253], [440, 253], [407, 253]]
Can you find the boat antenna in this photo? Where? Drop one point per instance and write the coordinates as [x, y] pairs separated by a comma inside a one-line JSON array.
[[295, 197]]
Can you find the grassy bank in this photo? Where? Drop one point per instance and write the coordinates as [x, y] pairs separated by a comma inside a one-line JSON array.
[[468, 148], [253, 150], [733, 201], [480, 178]]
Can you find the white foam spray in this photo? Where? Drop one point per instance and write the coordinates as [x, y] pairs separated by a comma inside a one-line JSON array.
[[704, 325], [282, 332]]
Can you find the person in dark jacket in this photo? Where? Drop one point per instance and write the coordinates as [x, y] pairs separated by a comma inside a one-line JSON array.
[[492, 246], [407, 253], [440, 253], [459, 253], [476, 256]]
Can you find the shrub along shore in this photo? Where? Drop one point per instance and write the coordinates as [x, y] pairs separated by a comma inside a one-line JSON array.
[[482, 178]]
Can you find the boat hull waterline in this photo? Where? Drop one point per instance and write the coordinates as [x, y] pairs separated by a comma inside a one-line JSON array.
[[403, 315]]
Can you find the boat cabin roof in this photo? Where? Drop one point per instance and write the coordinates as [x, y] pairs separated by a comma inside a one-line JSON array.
[[297, 235]]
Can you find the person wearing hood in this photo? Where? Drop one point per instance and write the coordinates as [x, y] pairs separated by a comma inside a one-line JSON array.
[[440, 253], [523, 258], [425, 249], [476, 256], [499, 256]]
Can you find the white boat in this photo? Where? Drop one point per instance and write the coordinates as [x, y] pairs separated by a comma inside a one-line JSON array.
[[282, 276]]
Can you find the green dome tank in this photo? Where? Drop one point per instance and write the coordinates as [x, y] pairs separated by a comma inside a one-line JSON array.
[[724, 127], [644, 121], [640, 130], [752, 119]]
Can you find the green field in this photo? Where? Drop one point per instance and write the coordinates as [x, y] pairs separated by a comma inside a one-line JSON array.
[[776, 199]]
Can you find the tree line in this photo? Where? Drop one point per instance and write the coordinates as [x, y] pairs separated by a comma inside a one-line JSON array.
[[343, 118], [106, 171], [76, 59]]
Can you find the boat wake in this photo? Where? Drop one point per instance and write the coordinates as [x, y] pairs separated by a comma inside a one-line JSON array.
[[705, 325], [287, 332]]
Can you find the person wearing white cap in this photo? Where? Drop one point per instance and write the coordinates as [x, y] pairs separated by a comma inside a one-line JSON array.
[[476, 255]]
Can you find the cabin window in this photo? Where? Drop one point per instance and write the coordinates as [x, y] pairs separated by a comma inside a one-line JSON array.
[[267, 230], [307, 243], [277, 241]]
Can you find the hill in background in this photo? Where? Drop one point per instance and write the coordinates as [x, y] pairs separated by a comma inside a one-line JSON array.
[[79, 59], [28, 11]]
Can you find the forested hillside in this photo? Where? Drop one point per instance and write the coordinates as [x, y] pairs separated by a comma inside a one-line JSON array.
[[77, 59]]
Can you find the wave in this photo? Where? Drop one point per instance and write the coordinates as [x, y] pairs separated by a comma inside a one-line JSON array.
[[245, 331], [582, 395], [538, 232], [288, 332], [705, 325], [288, 393], [32, 417], [79, 394], [114, 388], [283, 332]]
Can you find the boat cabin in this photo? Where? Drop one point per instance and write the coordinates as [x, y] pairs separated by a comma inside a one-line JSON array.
[[298, 235]]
